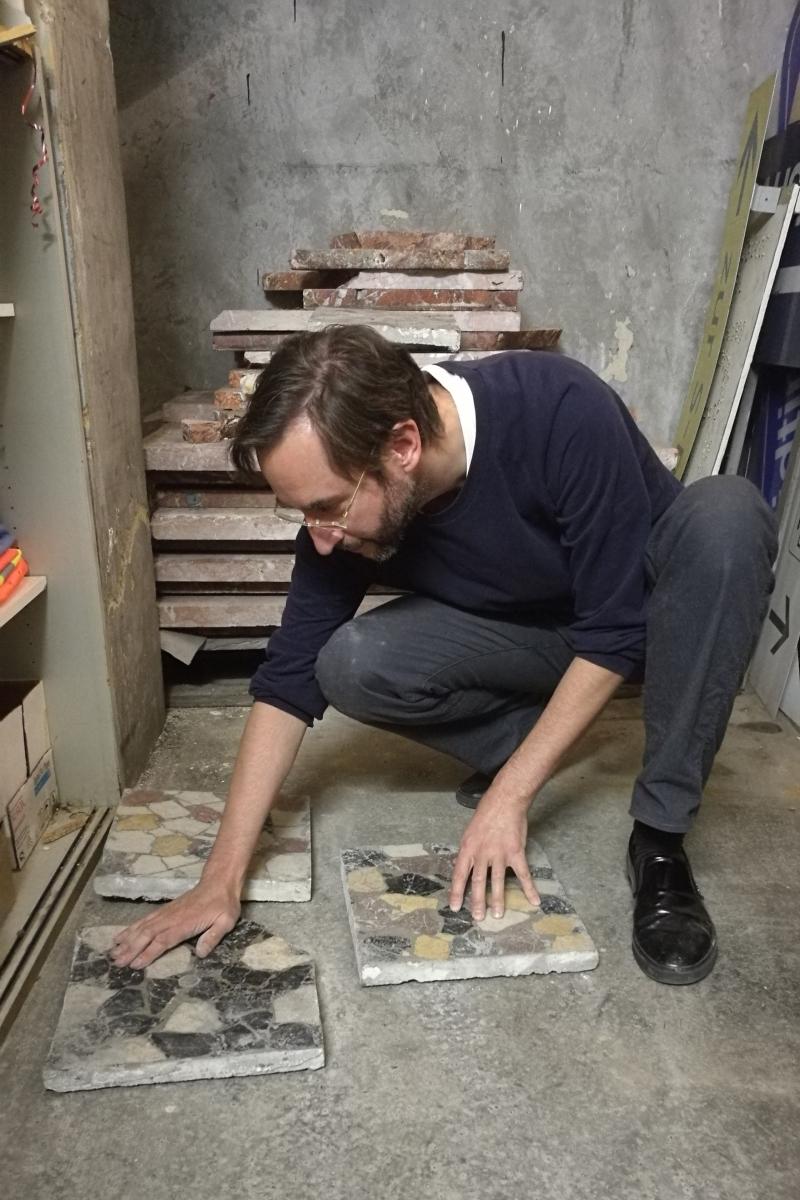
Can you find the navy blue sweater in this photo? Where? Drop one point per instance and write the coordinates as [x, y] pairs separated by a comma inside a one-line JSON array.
[[551, 523]]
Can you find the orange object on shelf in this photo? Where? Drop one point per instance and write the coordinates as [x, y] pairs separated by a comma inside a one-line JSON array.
[[11, 582]]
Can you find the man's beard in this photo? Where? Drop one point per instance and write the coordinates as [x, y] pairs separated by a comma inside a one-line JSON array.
[[401, 505]]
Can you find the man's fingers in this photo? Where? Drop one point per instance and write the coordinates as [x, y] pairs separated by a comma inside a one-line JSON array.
[[479, 891], [461, 871], [523, 874], [131, 942], [213, 936], [498, 888]]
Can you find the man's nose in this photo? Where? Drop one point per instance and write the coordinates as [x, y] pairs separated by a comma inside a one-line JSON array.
[[326, 540]]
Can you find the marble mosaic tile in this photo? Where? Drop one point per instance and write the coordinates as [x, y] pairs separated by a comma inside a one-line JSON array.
[[403, 928], [159, 841], [249, 1008]]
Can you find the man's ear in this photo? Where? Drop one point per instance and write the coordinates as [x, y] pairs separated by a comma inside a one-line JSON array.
[[405, 445]]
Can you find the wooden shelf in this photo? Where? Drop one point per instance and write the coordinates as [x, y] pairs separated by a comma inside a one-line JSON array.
[[31, 586]]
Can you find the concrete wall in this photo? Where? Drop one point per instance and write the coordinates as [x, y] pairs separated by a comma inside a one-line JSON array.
[[597, 141]]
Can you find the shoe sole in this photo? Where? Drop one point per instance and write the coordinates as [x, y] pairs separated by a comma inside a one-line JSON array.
[[669, 975], [468, 801]]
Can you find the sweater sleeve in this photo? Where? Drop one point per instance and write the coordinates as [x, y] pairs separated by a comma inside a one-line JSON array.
[[603, 513], [324, 592]]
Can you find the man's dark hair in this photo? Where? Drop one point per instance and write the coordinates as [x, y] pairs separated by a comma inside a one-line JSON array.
[[353, 386]]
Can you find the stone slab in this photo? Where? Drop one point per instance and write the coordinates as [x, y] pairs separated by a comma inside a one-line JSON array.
[[249, 1008], [522, 339], [413, 259], [165, 450], [410, 239], [188, 404], [295, 281], [220, 497], [424, 357], [416, 299], [159, 842], [484, 281], [238, 329], [182, 611], [221, 524], [403, 928], [266, 570], [297, 320], [405, 322]]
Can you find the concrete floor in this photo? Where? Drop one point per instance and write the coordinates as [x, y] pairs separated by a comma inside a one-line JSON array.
[[558, 1088]]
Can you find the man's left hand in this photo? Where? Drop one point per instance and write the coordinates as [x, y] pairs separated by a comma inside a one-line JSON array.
[[493, 841]]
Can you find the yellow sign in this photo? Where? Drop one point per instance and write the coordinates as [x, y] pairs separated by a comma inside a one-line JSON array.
[[755, 128]]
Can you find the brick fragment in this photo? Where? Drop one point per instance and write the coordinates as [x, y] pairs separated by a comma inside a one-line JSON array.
[[245, 380], [230, 399], [197, 429]]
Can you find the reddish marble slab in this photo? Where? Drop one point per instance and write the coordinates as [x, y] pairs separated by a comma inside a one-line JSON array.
[[407, 239], [416, 258], [421, 299], [522, 339]]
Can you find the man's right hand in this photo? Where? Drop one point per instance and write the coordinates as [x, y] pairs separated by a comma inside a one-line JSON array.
[[211, 909]]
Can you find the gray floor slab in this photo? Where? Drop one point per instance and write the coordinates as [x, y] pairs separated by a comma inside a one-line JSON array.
[[569, 1087], [249, 1008], [404, 929]]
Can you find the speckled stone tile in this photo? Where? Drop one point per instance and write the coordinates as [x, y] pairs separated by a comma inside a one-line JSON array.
[[159, 842], [403, 928], [249, 1008]]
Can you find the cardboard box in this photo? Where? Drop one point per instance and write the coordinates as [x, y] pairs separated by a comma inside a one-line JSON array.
[[7, 864], [24, 735], [31, 808]]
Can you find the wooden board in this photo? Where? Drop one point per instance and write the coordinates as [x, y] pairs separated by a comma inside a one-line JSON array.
[[736, 218], [757, 270], [231, 612], [220, 524]]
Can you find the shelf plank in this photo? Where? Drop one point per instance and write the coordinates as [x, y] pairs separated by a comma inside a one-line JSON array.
[[31, 586]]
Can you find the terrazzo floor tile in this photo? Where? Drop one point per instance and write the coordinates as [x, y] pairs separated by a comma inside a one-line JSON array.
[[249, 1008], [403, 928], [159, 842]]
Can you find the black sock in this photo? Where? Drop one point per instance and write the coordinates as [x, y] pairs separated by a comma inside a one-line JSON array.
[[647, 840]]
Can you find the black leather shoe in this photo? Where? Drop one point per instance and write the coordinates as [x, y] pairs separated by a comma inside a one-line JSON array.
[[470, 791], [674, 940]]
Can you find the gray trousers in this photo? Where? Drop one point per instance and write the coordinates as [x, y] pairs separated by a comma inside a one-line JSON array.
[[474, 686]]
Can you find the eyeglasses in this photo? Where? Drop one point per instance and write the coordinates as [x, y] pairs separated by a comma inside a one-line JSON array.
[[295, 515]]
